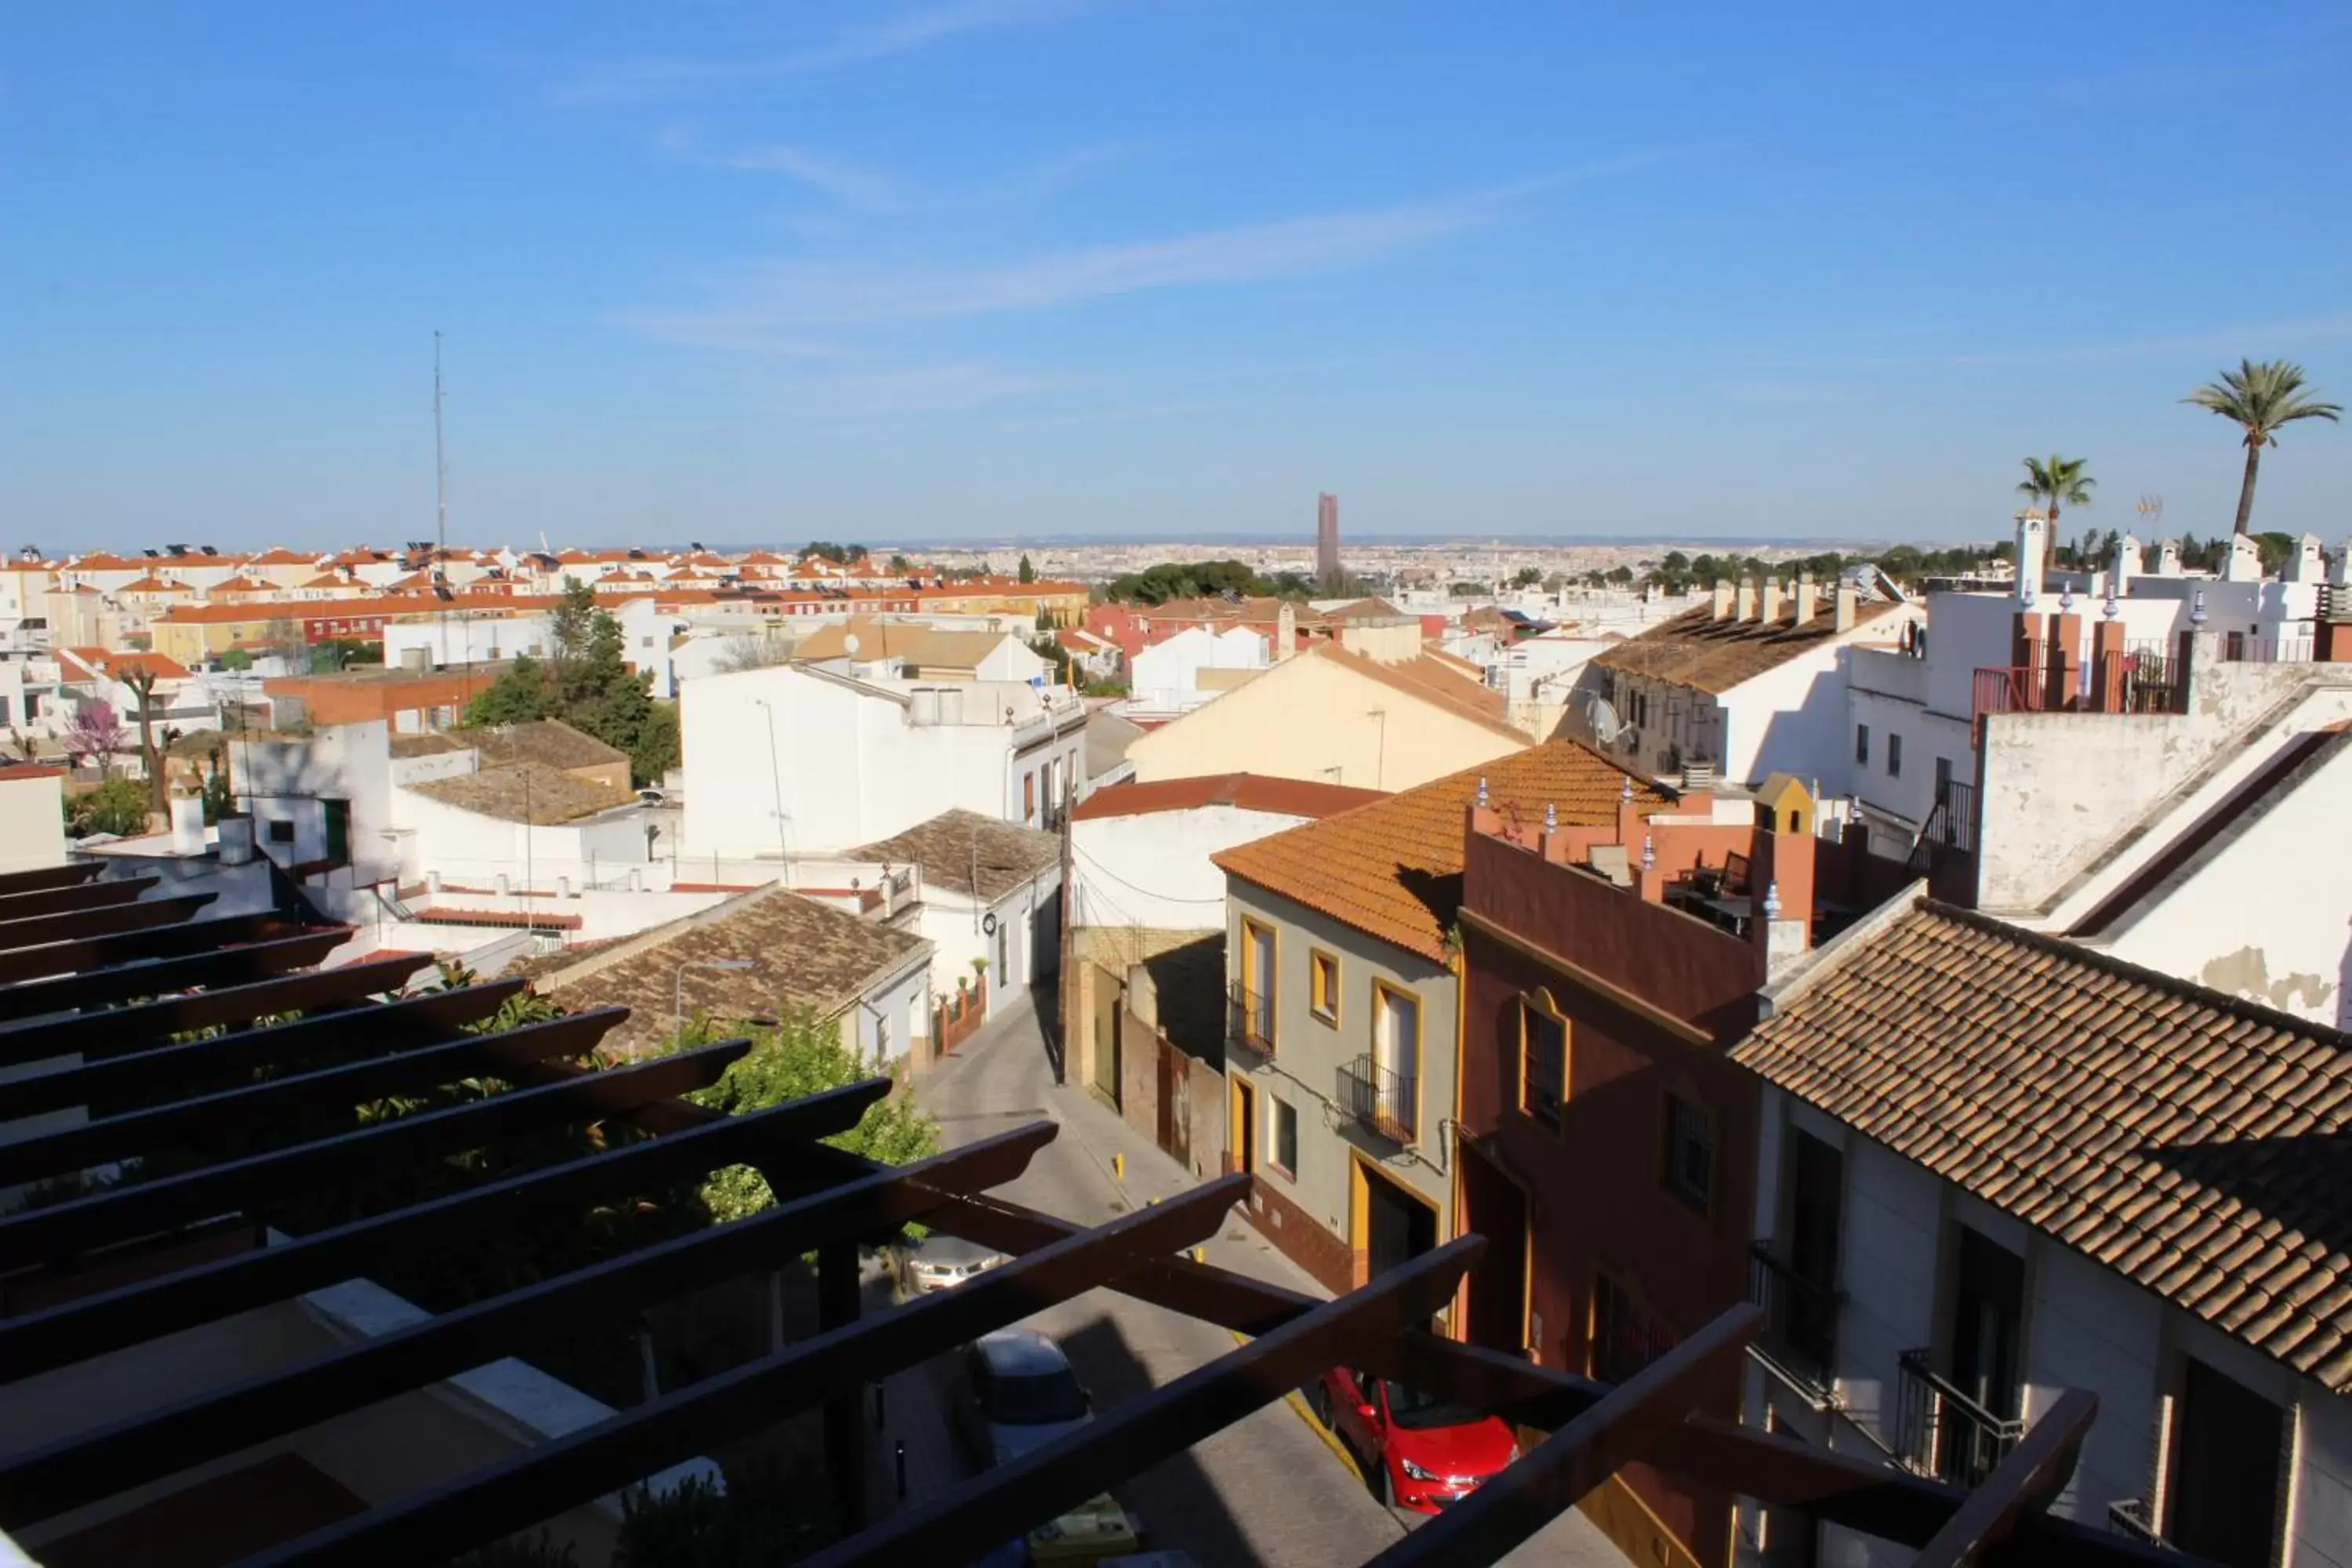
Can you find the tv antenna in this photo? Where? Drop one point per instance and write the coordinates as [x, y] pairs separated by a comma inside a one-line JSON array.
[[2151, 513]]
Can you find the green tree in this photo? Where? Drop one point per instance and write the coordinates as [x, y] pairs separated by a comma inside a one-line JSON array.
[[1026, 572], [520, 695], [1526, 577], [236, 658], [839, 554], [2055, 480], [2259, 399], [900, 564], [117, 807], [803, 1055], [569, 625]]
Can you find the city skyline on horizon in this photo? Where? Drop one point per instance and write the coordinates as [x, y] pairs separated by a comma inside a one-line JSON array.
[[984, 271]]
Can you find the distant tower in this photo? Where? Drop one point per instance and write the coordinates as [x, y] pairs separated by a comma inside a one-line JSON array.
[[1327, 540]]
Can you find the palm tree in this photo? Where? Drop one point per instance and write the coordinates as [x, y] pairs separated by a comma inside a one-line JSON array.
[[2258, 398], [2055, 479]]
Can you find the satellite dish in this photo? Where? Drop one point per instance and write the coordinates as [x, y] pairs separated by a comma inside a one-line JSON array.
[[850, 643], [1603, 719]]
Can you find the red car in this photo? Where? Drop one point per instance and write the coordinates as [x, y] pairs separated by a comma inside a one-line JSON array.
[[1418, 1451]]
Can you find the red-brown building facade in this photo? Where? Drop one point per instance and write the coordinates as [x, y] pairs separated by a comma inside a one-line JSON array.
[[1608, 1145]]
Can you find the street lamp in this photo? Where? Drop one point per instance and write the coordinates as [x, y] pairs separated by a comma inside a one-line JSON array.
[[678, 991]]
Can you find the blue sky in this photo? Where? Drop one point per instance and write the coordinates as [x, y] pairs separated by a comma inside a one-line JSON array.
[[1026, 266]]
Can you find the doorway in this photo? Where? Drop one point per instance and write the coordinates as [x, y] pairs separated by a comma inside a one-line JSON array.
[[1241, 1152], [2223, 1489], [1393, 1226], [1494, 1206]]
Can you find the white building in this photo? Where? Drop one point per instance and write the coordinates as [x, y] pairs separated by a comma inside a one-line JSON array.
[[793, 761], [1750, 683], [1993, 1166], [991, 902], [1179, 673]]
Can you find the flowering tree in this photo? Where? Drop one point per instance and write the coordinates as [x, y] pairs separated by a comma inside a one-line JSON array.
[[95, 734]]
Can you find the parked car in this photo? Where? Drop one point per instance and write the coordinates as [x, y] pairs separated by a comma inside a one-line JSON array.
[[940, 1262], [1097, 1530], [1417, 1452], [1018, 1393]]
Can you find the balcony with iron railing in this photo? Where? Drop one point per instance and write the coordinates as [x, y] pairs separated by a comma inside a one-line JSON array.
[[1940, 1432], [2131, 1517], [1249, 1018], [1799, 1336], [1953, 823], [1380, 1099]]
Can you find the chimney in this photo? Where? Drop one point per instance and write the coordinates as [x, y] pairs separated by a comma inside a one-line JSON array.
[[1848, 601], [2306, 564], [1808, 598], [1286, 632], [2124, 567], [1769, 609], [2341, 573], [2033, 543], [2244, 561], [2167, 558], [1747, 598], [1780, 881], [1722, 606]]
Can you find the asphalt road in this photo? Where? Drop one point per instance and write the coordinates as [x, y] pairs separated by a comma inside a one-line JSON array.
[[1267, 1490]]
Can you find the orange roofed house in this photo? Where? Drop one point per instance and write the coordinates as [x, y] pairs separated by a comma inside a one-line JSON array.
[[1342, 967]]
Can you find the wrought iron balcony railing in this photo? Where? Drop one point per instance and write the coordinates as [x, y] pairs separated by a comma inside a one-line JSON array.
[[1249, 1018], [1381, 1100], [1801, 1315], [1943, 1432]]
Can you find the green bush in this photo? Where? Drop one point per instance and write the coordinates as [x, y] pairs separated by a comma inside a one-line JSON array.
[[117, 805]]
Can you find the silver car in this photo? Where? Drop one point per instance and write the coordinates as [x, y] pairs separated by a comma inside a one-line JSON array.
[[1019, 1394], [941, 1262]]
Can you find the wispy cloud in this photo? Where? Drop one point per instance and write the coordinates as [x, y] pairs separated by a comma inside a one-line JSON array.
[[866, 189], [641, 80], [909, 391], [2256, 339], [798, 297]]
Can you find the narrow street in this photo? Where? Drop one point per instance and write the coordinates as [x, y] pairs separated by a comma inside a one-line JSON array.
[[1268, 1491]]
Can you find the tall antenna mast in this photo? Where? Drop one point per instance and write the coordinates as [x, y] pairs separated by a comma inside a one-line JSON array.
[[440, 503]]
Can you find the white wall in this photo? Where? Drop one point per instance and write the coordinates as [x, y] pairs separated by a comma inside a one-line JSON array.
[[1166, 677], [904, 1001], [457, 639], [286, 781], [471, 849], [951, 922], [844, 764], [32, 823], [2284, 941], [1153, 870]]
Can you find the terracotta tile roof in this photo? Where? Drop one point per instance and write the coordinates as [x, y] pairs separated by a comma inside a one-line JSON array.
[[1696, 649], [803, 954], [1393, 869], [549, 741], [918, 645], [1362, 610], [952, 845], [105, 664], [1246, 791], [1434, 682], [2191, 1141], [525, 792]]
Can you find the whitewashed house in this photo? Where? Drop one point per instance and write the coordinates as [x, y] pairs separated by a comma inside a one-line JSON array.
[[793, 761], [991, 902], [1992, 1167]]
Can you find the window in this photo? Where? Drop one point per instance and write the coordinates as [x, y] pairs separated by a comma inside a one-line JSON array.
[[1862, 743], [1894, 756], [1543, 1061], [1256, 1001], [2228, 1448], [1029, 797], [1285, 1137], [282, 832], [1690, 1152], [1943, 778], [1624, 1336], [1396, 1050], [1323, 987]]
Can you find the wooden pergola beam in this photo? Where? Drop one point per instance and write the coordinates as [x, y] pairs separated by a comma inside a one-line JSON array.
[[2025, 1482]]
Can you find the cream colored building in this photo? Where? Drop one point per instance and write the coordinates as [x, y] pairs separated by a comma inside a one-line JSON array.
[[1372, 712], [32, 817]]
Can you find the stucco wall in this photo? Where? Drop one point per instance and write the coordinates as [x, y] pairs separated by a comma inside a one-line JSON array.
[[2061, 788], [2241, 917], [32, 823], [1312, 719], [1153, 870], [1309, 1053]]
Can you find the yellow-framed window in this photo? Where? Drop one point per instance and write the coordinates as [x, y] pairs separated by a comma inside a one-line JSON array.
[[1323, 985]]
